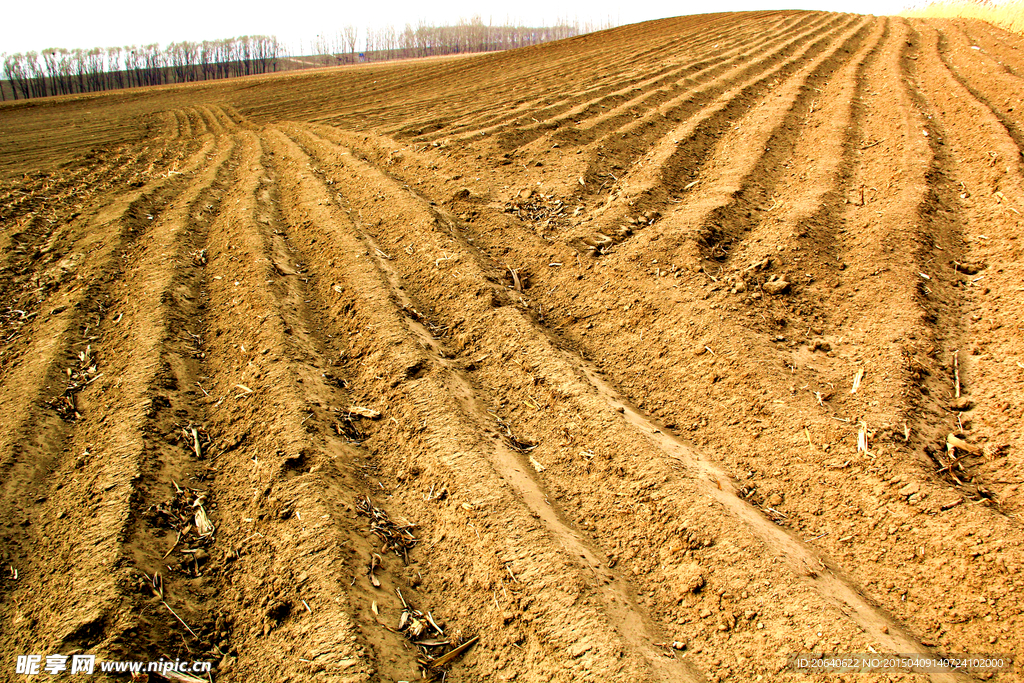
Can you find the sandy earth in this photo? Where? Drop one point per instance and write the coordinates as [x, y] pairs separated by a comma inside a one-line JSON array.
[[658, 354]]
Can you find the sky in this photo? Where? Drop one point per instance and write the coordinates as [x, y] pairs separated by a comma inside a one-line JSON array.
[[103, 23]]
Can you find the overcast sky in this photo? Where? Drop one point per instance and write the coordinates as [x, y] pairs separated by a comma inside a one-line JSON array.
[[103, 23]]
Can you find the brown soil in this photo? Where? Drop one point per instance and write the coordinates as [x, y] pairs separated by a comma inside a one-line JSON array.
[[666, 327]]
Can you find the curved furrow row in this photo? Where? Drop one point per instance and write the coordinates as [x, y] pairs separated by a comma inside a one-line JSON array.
[[645, 51], [532, 76], [39, 252], [41, 270], [529, 119], [905, 221], [211, 121], [751, 159], [228, 120], [546, 103], [1000, 93], [893, 294], [197, 121], [618, 141], [217, 122], [439, 443], [39, 446], [906, 244], [518, 365], [184, 124], [807, 202], [1001, 44], [461, 451], [272, 472], [140, 472], [599, 119], [739, 48], [661, 102], [982, 192], [885, 199], [739, 159], [663, 165], [990, 189], [235, 116], [180, 125], [865, 317], [634, 89]]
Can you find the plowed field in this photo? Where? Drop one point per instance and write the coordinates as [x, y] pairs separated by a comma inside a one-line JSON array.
[[657, 354]]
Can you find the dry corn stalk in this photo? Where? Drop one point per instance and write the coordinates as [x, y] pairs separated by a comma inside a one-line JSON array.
[[862, 438], [394, 537]]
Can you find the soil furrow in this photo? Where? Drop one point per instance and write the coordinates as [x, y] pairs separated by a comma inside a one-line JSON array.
[[467, 410], [805, 210], [661, 353], [43, 448], [554, 101], [198, 122], [138, 454], [1001, 98], [664, 167], [44, 240], [640, 88], [991, 193], [748, 189], [823, 576], [746, 51], [275, 468], [1002, 45]]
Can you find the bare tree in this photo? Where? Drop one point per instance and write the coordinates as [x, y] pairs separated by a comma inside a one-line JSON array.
[[351, 36], [15, 73], [114, 67], [57, 71]]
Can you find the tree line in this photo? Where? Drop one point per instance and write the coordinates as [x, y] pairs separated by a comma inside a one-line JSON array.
[[56, 71], [425, 40]]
